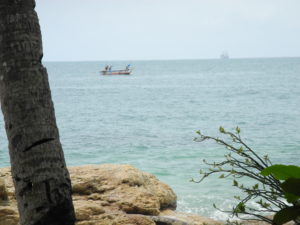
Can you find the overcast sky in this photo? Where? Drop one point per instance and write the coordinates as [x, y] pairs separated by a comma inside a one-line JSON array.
[[84, 30]]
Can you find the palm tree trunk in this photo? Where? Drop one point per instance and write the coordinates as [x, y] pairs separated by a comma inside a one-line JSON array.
[[41, 179]]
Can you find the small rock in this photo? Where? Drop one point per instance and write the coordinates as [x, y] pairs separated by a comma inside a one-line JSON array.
[[168, 220], [95, 196]]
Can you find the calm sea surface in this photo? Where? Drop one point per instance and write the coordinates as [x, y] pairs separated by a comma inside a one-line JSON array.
[[149, 119]]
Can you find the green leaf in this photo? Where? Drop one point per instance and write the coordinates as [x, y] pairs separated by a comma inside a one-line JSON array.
[[266, 205], [222, 130], [282, 172], [285, 215], [240, 208], [222, 176], [260, 202], [292, 185], [235, 183], [237, 197], [240, 150], [290, 197]]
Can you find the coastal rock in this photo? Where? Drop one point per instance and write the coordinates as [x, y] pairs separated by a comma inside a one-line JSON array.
[[3, 192], [123, 187], [113, 195], [8, 215]]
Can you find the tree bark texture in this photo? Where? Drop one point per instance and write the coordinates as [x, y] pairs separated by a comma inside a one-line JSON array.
[[41, 179]]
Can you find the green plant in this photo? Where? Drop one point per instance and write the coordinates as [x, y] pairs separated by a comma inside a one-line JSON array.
[[267, 190]]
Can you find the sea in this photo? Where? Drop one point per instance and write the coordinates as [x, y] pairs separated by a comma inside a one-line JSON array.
[[149, 119]]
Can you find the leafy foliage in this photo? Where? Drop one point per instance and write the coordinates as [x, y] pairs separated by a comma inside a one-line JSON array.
[[282, 172], [271, 194], [286, 215]]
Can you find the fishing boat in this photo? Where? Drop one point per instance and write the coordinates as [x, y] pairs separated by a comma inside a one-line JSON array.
[[224, 55], [108, 71], [116, 72]]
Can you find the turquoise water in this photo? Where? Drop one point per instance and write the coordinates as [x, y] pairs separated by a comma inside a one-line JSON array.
[[149, 119]]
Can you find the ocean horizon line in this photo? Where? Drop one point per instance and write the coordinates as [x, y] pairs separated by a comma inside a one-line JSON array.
[[155, 60]]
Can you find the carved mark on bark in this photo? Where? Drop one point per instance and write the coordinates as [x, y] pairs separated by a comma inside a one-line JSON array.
[[27, 188], [38, 143], [41, 208], [48, 191], [17, 179]]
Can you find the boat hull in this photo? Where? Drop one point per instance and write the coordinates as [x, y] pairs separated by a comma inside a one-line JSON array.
[[116, 72]]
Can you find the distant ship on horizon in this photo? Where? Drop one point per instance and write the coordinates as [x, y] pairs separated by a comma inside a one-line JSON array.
[[224, 55]]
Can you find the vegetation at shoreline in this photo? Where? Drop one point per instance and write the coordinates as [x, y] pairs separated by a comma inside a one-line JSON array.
[[276, 188]]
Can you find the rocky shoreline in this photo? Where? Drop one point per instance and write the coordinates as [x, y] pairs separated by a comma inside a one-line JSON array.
[[111, 194]]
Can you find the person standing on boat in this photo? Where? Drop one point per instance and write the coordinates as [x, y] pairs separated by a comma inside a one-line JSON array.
[[127, 67], [106, 67], [109, 68]]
